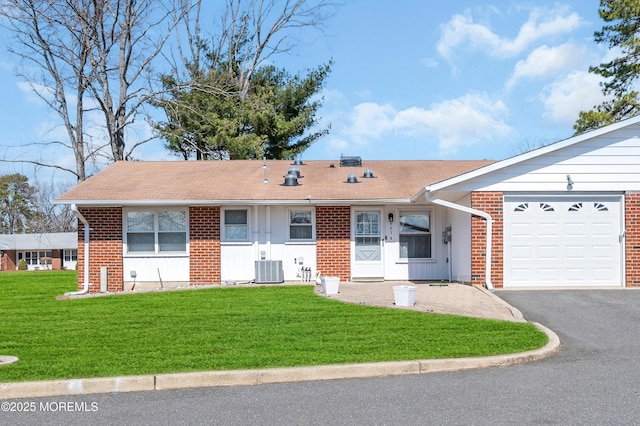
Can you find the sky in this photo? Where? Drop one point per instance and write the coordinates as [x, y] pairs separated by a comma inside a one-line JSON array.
[[412, 79]]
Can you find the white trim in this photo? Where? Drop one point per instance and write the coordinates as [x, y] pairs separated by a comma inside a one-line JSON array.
[[432, 220], [249, 202], [156, 252], [288, 224], [223, 236]]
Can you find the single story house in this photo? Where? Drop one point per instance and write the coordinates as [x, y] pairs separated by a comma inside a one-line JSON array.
[[566, 214], [57, 250]]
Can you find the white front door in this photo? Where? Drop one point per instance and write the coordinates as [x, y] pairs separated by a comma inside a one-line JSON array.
[[562, 241], [366, 248]]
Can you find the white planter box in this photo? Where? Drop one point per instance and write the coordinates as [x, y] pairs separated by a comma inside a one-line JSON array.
[[404, 295], [330, 285]]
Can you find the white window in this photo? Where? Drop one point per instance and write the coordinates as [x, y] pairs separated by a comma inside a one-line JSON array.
[[236, 225], [35, 257], [301, 224], [70, 255], [158, 231], [415, 235]]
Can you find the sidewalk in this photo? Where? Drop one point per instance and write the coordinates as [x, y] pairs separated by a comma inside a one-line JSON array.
[[439, 298]]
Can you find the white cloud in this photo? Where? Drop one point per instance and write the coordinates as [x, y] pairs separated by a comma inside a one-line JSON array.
[[429, 62], [564, 99], [462, 32], [371, 120], [454, 123], [545, 61]]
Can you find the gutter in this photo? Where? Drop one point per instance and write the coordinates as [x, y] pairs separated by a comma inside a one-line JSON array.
[[85, 287], [488, 220]]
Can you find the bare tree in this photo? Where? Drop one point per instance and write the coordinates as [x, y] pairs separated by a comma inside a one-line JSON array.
[[249, 33], [48, 217], [86, 56]]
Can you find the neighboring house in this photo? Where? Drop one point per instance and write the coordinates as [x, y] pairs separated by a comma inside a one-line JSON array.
[[563, 215], [40, 251]]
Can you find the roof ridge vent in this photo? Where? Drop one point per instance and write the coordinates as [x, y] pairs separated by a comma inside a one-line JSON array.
[[290, 180], [350, 161], [294, 171]]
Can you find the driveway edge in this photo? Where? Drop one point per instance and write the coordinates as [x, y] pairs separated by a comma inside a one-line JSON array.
[[270, 375]]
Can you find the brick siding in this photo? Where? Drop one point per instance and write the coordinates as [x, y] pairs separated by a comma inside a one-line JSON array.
[[105, 247], [632, 240], [491, 203], [333, 241], [9, 261], [204, 245]]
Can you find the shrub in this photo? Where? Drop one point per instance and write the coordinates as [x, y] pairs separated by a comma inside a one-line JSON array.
[[22, 265]]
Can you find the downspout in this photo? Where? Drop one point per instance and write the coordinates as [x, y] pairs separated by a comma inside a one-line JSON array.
[[85, 287], [488, 220]]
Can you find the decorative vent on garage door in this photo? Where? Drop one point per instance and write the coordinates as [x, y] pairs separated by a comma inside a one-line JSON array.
[[600, 207], [546, 207], [522, 207], [575, 207]]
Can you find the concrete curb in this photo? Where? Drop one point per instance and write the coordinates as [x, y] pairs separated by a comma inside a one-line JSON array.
[[517, 315], [271, 375]]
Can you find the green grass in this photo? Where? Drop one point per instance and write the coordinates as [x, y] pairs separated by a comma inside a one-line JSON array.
[[221, 329]]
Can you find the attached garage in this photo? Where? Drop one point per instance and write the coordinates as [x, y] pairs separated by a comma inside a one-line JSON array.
[[563, 241], [564, 215]]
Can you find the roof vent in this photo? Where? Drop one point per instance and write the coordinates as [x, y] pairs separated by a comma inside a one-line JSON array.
[[294, 171], [298, 162], [290, 180], [350, 161], [368, 174], [352, 178]]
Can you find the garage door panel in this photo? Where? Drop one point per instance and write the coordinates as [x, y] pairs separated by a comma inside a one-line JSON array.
[[575, 252], [562, 241], [572, 229], [600, 229], [548, 230], [521, 253], [521, 230], [550, 253], [548, 274]]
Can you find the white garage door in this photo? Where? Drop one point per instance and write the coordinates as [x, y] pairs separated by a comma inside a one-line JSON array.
[[568, 241]]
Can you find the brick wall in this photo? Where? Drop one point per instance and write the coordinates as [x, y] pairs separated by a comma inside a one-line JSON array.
[[56, 259], [204, 245], [632, 240], [333, 241], [9, 261], [105, 247], [492, 203]]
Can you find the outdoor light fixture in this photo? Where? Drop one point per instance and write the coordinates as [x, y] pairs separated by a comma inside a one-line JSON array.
[[390, 217], [569, 183]]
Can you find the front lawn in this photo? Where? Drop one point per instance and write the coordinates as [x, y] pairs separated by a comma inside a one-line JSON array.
[[221, 329]]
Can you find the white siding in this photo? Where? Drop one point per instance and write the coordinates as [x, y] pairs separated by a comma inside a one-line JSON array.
[[269, 232], [461, 242], [399, 269], [607, 163], [174, 269]]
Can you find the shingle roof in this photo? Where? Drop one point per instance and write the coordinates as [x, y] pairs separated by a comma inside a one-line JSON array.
[[242, 180]]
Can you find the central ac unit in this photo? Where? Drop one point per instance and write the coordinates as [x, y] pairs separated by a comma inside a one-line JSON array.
[[269, 271]]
